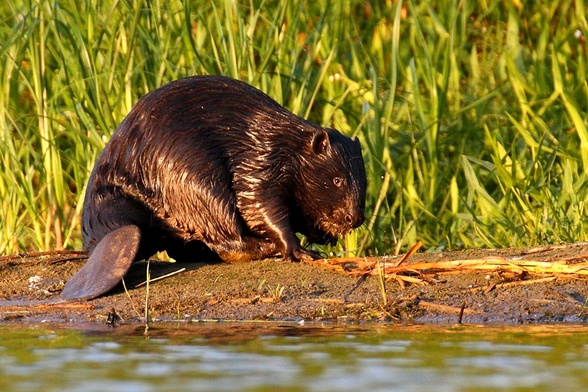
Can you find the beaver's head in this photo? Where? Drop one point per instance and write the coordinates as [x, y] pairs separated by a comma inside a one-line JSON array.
[[330, 186]]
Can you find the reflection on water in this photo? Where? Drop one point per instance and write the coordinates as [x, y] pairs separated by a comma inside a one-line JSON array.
[[264, 357]]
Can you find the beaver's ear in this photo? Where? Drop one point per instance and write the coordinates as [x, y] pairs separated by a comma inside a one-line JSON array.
[[320, 141]]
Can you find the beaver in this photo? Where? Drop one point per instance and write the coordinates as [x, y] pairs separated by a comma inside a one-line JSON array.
[[212, 164]]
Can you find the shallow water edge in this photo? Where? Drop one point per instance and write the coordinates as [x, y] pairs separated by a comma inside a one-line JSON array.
[[260, 356]]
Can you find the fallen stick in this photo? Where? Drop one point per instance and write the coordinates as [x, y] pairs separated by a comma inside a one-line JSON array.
[[487, 289], [447, 308], [62, 306], [161, 277], [411, 252], [24, 255]]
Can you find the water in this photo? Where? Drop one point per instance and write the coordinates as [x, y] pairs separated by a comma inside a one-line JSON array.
[[267, 357]]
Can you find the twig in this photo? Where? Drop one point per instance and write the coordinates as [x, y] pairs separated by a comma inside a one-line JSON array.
[[411, 252], [130, 299], [445, 308], [148, 279], [161, 277], [64, 306], [57, 261], [387, 313], [27, 259], [487, 289], [461, 310], [359, 282], [25, 255]]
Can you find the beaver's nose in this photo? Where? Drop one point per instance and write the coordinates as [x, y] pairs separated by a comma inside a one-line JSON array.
[[355, 220]]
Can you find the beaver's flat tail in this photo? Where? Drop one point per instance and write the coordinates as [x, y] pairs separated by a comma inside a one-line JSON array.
[[108, 263]]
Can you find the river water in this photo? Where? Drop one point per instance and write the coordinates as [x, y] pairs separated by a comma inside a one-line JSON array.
[[292, 357]]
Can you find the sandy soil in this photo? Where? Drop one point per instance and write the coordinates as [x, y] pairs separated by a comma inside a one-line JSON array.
[[278, 290]]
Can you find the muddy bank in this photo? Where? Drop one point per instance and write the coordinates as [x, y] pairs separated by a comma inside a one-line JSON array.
[[278, 290]]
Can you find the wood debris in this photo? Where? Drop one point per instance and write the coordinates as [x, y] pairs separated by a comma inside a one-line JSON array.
[[404, 271]]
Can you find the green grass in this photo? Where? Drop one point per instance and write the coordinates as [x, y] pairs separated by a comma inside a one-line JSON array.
[[472, 115]]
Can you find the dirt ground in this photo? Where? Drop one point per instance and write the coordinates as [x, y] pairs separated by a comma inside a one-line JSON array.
[[284, 291]]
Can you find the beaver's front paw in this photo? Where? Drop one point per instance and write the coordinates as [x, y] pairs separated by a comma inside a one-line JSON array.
[[299, 253]]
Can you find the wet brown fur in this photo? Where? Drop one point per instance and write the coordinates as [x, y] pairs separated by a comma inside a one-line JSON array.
[[208, 163]]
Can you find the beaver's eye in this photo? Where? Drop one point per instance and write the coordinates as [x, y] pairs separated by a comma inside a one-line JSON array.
[[338, 181]]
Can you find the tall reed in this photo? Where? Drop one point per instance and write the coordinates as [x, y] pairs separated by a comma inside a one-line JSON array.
[[473, 115]]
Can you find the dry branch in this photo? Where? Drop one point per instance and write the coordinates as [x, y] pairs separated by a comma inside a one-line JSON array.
[[420, 272]]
